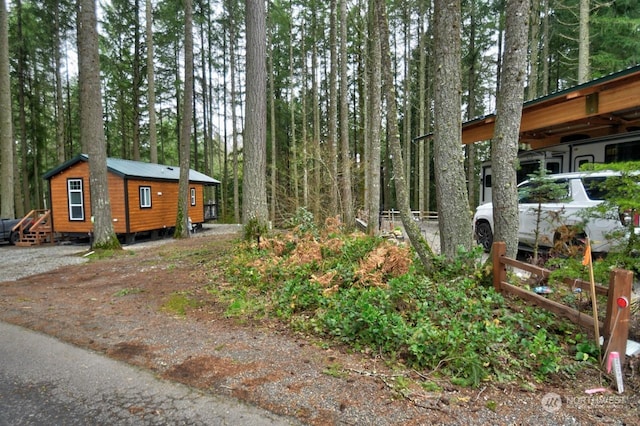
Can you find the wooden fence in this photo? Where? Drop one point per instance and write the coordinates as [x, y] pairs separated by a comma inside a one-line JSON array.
[[615, 327], [394, 215]]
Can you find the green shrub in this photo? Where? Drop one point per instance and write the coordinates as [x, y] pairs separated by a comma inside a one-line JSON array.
[[448, 323]]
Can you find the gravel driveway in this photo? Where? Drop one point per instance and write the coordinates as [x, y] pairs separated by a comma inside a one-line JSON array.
[[19, 262]]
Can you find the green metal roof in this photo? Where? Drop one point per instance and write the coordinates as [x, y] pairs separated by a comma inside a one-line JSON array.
[[139, 169]]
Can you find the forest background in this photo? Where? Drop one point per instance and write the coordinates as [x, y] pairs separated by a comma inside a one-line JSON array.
[[322, 96]]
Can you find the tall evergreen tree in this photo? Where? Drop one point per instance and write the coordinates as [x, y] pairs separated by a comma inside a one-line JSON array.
[[182, 220], [254, 191], [345, 154], [232, 10], [453, 207], [374, 123], [614, 37], [584, 69], [504, 149], [151, 84], [7, 209], [60, 108], [402, 191], [91, 125], [332, 119], [21, 181]]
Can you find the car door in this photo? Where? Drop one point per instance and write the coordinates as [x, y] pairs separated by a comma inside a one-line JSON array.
[[541, 211], [527, 214]]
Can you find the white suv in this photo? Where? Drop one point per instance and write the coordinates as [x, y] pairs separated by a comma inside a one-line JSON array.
[[582, 191]]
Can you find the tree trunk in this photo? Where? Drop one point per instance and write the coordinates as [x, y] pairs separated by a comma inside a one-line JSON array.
[[470, 152], [406, 102], [347, 196], [504, 149], [207, 83], [422, 130], [22, 200], [91, 126], [317, 157], [137, 77], [224, 160], [60, 121], [451, 194], [535, 43], [545, 48], [402, 194], [274, 156], [234, 119], [151, 85], [254, 202], [583, 43], [427, 155], [375, 117], [333, 111], [304, 136], [7, 206], [182, 221], [293, 141]]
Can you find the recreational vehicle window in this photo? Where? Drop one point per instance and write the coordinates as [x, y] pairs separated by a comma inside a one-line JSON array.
[[532, 167], [623, 151]]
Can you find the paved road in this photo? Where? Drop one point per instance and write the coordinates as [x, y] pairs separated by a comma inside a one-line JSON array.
[[44, 381]]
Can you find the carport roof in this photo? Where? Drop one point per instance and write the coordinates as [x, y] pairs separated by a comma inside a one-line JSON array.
[[601, 107]]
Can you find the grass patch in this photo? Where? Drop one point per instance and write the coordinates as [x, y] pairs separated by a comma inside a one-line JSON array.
[[100, 254], [335, 370], [127, 291], [179, 302]]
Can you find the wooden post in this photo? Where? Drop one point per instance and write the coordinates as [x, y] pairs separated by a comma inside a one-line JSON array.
[[499, 250], [616, 324]]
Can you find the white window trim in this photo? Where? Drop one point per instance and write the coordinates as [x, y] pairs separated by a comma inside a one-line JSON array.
[[72, 205], [145, 195], [193, 196]]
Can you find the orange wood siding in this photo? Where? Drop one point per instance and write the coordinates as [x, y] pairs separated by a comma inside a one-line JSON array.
[[162, 213], [196, 213], [118, 208], [164, 205], [60, 202]]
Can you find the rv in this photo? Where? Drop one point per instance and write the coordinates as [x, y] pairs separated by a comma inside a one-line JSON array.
[[569, 156]]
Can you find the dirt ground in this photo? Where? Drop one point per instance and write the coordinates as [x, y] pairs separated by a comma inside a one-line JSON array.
[[114, 306]]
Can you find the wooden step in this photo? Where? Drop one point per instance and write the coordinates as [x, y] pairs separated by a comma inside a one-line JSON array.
[[33, 238]]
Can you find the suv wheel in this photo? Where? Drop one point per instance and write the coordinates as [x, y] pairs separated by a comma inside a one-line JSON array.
[[484, 236]]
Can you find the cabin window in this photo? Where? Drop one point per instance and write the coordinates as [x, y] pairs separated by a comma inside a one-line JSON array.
[[193, 196], [76, 199], [145, 197]]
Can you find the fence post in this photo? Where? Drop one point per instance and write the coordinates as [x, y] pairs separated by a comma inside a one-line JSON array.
[[499, 250], [616, 324]]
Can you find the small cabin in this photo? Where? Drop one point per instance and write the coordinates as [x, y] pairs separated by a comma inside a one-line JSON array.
[[143, 196]]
